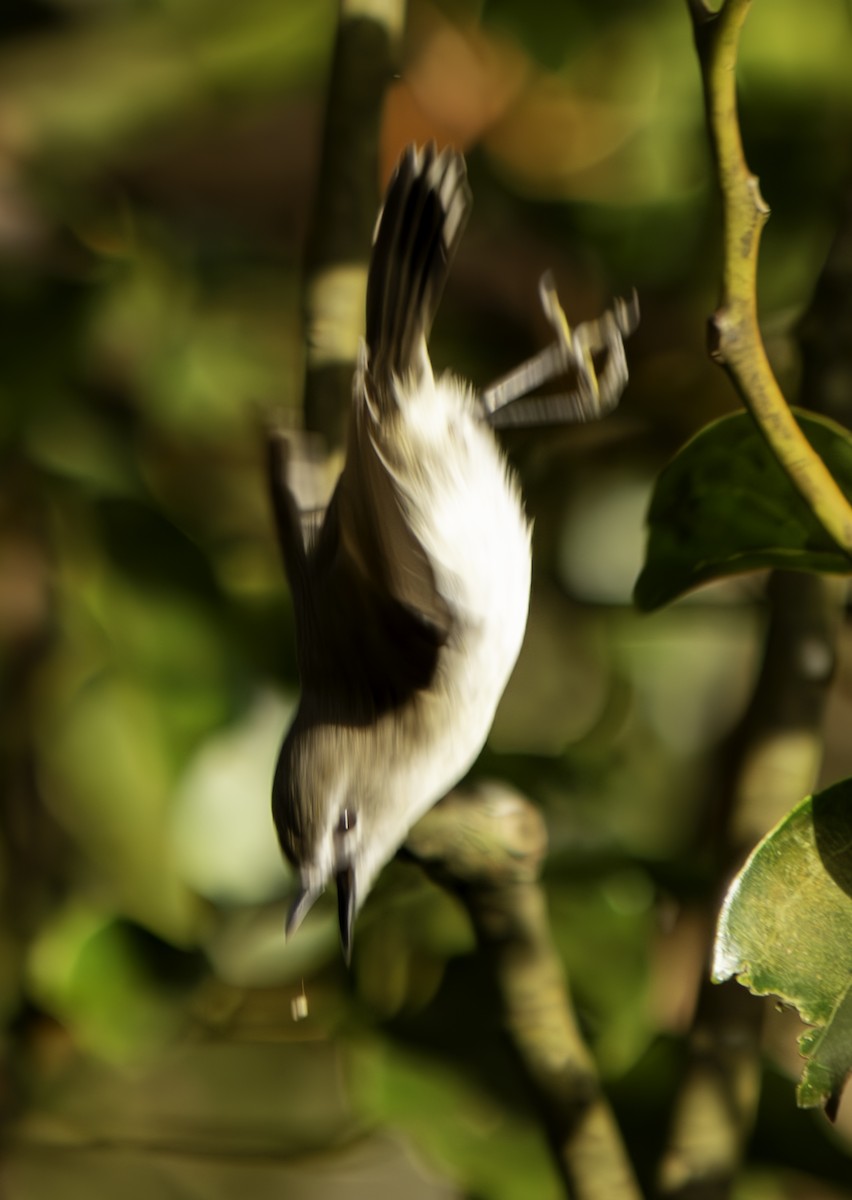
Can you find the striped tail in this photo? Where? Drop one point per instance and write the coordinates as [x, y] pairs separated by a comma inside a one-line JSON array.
[[426, 208]]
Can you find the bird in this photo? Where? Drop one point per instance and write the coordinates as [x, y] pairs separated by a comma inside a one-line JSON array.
[[410, 597]]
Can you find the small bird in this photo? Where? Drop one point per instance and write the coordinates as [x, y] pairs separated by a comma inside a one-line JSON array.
[[411, 597]]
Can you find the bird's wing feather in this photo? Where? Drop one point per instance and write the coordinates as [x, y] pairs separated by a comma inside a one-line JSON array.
[[376, 532]]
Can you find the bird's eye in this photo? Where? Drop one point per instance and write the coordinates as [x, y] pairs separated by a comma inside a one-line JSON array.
[[348, 820]]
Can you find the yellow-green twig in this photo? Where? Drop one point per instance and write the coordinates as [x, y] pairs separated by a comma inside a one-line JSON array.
[[735, 340]]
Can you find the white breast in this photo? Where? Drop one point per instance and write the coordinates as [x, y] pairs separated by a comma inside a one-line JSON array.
[[465, 508]]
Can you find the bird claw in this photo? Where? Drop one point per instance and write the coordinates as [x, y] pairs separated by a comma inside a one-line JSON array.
[[509, 402]]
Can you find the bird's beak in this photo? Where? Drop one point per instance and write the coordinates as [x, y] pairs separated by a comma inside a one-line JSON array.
[[345, 880], [299, 909]]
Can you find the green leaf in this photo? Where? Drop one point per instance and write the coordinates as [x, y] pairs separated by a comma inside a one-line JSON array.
[[108, 778], [829, 1054], [786, 929], [89, 970], [724, 505]]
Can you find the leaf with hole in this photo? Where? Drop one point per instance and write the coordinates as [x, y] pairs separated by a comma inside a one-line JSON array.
[[786, 929]]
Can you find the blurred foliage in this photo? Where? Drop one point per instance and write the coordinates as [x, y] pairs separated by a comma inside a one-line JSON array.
[[157, 161]]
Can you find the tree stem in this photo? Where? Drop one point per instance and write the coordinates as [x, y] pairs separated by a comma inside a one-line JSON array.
[[734, 334]]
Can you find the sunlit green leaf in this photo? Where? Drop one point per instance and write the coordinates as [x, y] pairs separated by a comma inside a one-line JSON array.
[[132, 74], [786, 929], [724, 505], [108, 778], [91, 972]]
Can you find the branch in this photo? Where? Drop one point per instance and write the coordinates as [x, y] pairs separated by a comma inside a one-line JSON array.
[[734, 334], [487, 845], [347, 198]]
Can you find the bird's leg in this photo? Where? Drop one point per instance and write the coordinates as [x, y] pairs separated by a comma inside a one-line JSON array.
[[508, 401]]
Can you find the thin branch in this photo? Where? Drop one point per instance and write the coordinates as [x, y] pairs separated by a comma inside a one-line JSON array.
[[347, 198], [487, 844], [734, 334], [84, 91]]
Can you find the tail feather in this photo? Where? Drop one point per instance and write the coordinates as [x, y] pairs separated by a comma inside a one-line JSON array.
[[425, 211]]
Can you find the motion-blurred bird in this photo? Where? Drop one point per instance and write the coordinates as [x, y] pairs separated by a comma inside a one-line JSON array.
[[411, 597]]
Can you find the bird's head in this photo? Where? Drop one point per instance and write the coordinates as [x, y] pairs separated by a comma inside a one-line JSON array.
[[321, 808]]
